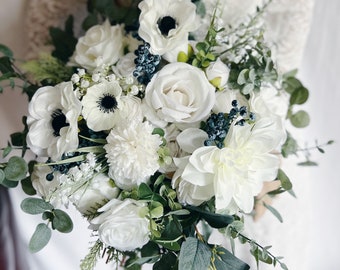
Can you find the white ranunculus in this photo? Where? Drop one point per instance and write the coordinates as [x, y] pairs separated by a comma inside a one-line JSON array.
[[224, 99], [52, 119], [179, 93], [132, 154], [99, 190], [44, 187], [122, 224], [166, 24], [101, 45], [218, 73], [234, 174], [101, 105], [270, 102], [126, 65]]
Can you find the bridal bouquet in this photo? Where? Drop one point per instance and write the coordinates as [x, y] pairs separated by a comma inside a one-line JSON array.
[[159, 124]]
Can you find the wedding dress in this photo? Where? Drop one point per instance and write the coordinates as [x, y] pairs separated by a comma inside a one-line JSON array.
[[288, 22]]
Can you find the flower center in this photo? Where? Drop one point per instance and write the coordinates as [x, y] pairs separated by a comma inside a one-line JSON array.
[[165, 24], [58, 122], [107, 103]]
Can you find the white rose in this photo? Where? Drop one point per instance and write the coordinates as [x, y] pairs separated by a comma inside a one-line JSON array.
[[101, 45], [166, 24], [179, 93], [100, 190], [122, 224], [218, 73]]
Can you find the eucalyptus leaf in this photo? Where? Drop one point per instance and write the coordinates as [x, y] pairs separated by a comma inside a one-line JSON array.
[[16, 169], [27, 186], [299, 96], [274, 212], [62, 221], [300, 119], [35, 206], [6, 151], [194, 255], [284, 179], [2, 176], [40, 238]]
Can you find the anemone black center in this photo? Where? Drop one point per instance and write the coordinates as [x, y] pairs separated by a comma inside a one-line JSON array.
[[58, 122], [107, 103], [165, 24]]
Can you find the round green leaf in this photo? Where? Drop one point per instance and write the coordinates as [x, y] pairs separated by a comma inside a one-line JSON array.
[[16, 169], [61, 221], [35, 206], [300, 119], [299, 96], [40, 238]]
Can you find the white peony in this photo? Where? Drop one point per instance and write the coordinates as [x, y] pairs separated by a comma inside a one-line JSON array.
[[101, 45], [218, 73], [132, 154], [101, 105], [234, 174], [52, 120], [122, 224], [166, 24], [99, 190], [179, 93], [126, 65]]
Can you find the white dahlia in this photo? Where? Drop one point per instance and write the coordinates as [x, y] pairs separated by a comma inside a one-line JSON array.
[[234, 174], [132, 154]]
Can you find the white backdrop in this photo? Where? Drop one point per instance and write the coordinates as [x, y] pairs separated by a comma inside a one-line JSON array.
[[308, 238]]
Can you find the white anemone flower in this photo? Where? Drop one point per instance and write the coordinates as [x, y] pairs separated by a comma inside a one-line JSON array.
[[132, 154], [166, 24], [234, 174], [52, 120], [101, 105]]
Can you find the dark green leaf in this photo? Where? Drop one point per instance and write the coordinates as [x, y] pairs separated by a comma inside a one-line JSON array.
[[40, 238], [158, 131], [225, 260], [214, 220], [89, 21], [61, 221], [6, 51], [150, 249], [144, 191], [27, 187], [16, 169], [168, 261], [6, 65], [320, 149], [63, 41], [35, 206], [18, 139], [194, 255]]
